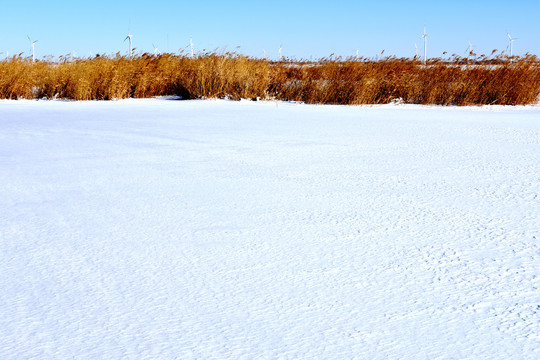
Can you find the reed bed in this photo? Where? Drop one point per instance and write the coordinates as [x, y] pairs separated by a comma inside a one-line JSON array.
[[501, 80]]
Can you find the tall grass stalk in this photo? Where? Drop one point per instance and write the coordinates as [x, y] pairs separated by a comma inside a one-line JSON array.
[[326, 81]]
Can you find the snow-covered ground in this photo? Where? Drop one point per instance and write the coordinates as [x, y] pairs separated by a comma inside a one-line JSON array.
[[241, 230]]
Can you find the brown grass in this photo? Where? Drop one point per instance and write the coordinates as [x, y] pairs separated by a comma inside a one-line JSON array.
[[501, 80]]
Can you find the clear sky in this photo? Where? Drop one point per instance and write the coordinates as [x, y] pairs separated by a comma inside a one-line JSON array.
[[303, 28]]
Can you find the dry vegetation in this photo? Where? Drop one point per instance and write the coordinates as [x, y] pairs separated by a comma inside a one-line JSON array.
[[501, 80]]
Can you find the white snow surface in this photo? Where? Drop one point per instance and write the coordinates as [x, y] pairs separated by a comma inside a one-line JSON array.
[[156, 229]]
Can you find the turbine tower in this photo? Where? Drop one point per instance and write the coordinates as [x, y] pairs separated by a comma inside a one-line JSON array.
[[129, 36], [425, 44], [469, 50], [33, 48], [191, 46], [279, 52], [511, 43], [415, 51], [156, 51]]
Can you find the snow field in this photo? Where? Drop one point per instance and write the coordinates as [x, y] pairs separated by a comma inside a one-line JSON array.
[[216, 229]]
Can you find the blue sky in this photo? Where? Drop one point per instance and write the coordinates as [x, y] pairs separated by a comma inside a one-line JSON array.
[[303, 28]]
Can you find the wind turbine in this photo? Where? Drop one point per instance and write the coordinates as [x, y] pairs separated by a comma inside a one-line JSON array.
[[33, 48], [191, 46], [129, 36], [156, 51], [279, 52], [511, 42], [415, 51], [425, 44], [469, 50]]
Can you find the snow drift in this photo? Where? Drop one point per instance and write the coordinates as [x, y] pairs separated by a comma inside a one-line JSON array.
[[215, 229]]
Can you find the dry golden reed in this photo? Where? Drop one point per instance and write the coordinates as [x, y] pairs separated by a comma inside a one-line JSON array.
[[501, 81]]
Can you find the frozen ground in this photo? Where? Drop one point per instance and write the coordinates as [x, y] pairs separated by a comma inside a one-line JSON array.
[[212, 229]]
